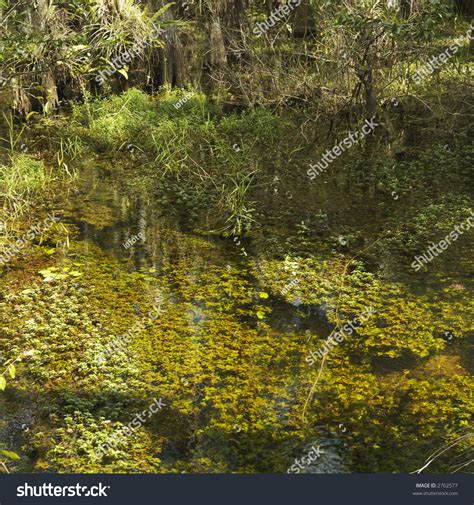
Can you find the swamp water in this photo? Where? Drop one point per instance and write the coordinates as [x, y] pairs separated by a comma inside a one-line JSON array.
[[226, 353]]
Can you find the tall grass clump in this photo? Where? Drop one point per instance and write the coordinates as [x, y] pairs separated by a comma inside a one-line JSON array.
[[22, 181], [182, 143], [132, 118]]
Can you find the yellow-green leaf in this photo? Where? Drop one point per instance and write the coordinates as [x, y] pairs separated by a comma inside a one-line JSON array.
[[10, 455], [123, 72]]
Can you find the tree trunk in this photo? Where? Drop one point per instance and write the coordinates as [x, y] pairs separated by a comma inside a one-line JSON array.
[[465, 7], [406, 8], [50, 90], [217, 56], [170, 66], [236, 12], [48, 82], [303, 20], [269, 6], [370, 95], [370, 103], [21, 101]]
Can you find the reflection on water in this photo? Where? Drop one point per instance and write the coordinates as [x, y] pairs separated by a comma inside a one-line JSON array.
[[228, 351]]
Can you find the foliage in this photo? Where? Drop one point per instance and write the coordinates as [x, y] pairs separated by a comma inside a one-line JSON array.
[[212, 155], [22, 181], [238, 318], [73, 41]]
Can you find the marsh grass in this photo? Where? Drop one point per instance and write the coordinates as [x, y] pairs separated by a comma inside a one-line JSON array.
[[22, 179], [69, 149], [239, 206], [13, 136], [213, 158], [22, 183]]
